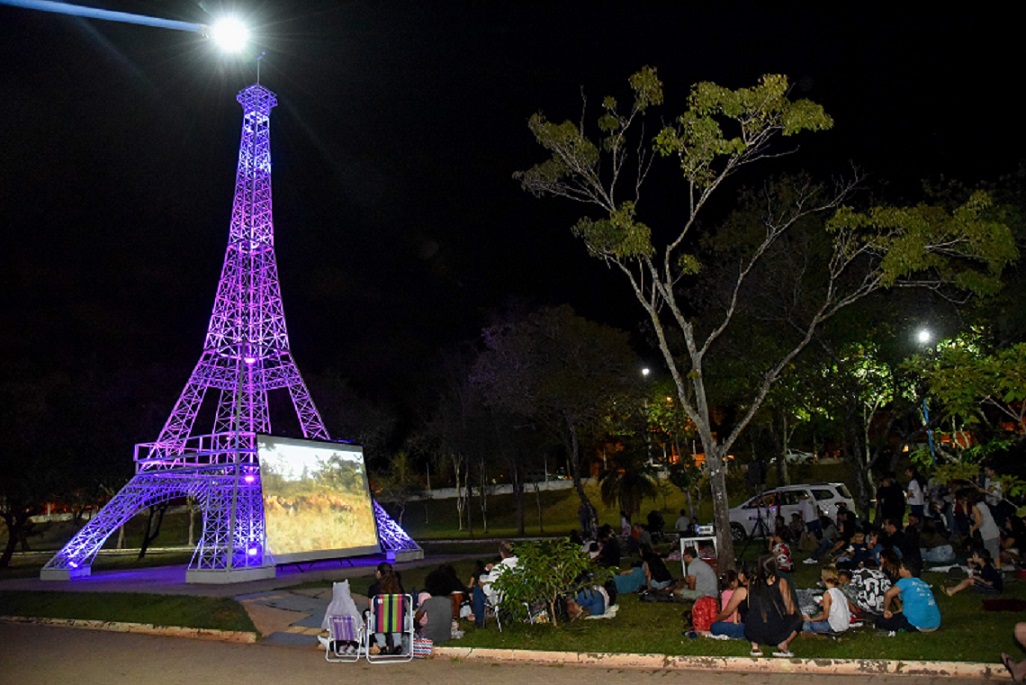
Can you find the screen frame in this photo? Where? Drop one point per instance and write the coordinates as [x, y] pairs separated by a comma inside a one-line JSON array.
[[263, 443]]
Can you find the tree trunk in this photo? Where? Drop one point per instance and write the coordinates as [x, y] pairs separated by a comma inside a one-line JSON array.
[[192, 522], [16, 522], [152, 530], [721, 505], [484, 497], [518, 497], [461, 476], [783, 477], [572, 448], [538, 505]]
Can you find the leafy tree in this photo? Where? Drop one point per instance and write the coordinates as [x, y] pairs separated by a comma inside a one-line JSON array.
[[721, 132], [560, 370], [546, 571], [985, 390], [33, 467], [978, 386]]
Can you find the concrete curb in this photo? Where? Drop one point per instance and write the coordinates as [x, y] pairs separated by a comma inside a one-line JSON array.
[[238, 636], [651, 662], [935, 669]]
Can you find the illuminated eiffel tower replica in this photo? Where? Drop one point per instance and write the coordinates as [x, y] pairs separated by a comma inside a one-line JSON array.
[[245, 356]]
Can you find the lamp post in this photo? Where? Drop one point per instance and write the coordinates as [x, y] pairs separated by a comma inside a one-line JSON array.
[[645, 373], [924, 337]]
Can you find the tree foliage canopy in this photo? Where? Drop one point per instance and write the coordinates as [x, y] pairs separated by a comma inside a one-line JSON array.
[[721, 131]]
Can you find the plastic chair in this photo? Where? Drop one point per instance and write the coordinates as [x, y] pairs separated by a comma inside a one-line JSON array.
[[390, 614]]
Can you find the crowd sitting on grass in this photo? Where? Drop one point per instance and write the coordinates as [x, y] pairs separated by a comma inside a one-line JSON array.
[[868, 576]]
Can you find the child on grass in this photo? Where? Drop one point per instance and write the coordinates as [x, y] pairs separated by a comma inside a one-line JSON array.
[[983, 577], [834, 616]]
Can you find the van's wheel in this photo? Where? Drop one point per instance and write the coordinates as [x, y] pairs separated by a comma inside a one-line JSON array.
[[737, 532]]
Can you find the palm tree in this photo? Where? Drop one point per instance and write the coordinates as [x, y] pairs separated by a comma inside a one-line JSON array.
[[629, 478]]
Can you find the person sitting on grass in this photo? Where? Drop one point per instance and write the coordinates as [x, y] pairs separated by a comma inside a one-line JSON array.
[[874, 547], [918, 610], [865, 589], [773, 617], [834, 617], [830, 541], [731, 619], [389, 643], [934, 546], [1017, 669], [856, 554], [781, 551], [657, 576], [609, 548], [900, 542], [700, 580], [433, 619], [890, 561], [483, 592], [983, 577]]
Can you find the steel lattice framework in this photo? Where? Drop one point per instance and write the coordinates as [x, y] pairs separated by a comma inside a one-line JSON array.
[[245, 356]]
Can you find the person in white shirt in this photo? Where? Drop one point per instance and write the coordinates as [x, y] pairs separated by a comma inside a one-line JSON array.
[[835, 616], [916, 494], [484, 592], [683, 523]]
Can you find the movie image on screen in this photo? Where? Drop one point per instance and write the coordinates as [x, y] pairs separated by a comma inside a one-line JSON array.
[[317, 503]]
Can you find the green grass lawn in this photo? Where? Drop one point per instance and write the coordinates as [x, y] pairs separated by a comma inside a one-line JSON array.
[[967, 632], [214, 613]]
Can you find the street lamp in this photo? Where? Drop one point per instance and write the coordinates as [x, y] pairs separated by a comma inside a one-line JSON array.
[[924, 336]]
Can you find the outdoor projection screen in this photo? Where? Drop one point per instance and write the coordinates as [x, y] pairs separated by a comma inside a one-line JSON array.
[[317, 504]]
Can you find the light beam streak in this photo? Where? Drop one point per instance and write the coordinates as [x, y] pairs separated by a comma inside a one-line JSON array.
[[108, 15]]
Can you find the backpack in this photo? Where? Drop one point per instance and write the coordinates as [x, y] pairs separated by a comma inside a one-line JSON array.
[[704, 613]]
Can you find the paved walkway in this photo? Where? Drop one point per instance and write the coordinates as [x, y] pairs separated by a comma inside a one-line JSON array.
[[283, 614], [31, 655]]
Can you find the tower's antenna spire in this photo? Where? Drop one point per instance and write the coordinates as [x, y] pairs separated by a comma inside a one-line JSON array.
[[258, 65]]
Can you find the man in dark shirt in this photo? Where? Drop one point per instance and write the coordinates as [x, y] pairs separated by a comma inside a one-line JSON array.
[[899, 541], [890, 499], [609, 555]]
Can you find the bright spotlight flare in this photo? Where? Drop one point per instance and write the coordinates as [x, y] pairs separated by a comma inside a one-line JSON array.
[[229, 33]]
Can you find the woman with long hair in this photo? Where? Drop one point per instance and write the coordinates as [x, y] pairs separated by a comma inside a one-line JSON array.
[[773, 617]]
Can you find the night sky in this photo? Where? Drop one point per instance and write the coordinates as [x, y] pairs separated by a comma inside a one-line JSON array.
[[399, 226]]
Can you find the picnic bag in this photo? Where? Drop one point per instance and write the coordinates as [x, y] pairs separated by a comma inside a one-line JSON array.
[[422, 647]]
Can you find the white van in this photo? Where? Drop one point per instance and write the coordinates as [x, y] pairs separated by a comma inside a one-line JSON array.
[[785, 500]]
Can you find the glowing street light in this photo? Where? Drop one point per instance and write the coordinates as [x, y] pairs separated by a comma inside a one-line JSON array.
[[229, 34], [924, 336]]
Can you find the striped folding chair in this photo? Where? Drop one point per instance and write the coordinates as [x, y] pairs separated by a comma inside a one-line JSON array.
[[390, 615], [346, 642]]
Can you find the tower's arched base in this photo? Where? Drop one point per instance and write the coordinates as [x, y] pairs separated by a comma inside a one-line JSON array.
[[231, 546]]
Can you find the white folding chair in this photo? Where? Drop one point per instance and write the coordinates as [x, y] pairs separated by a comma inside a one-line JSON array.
[[346, 641]]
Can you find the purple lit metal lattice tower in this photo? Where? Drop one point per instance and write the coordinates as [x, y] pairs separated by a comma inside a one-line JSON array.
[[245, 356]]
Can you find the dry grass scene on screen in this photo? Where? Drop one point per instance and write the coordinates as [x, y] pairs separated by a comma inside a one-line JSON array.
[[315, 498]]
